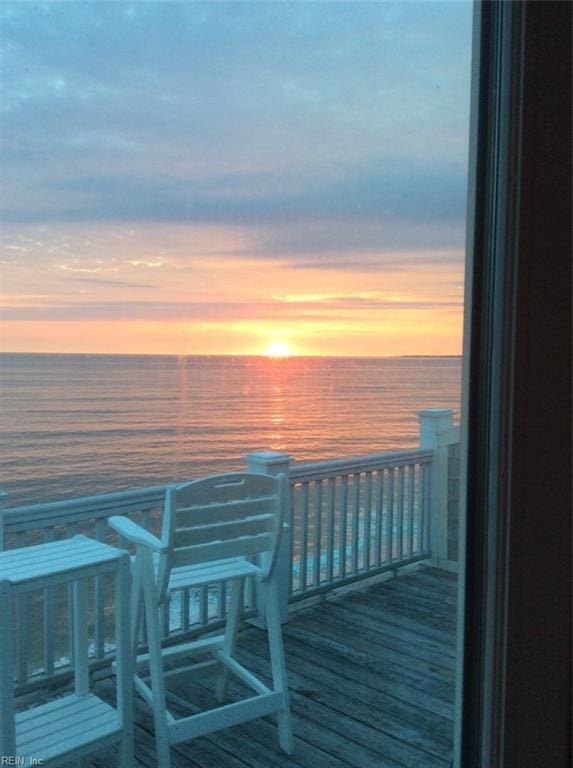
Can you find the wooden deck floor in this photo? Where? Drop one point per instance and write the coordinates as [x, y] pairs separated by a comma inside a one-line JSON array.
[[371, 679]]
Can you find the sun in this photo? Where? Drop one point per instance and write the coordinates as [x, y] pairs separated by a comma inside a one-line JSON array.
[[278, 349]]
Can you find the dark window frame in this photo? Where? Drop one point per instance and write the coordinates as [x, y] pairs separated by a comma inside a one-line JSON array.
[[515, 699]]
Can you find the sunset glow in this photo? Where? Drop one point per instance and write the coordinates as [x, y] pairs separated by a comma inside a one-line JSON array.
[[305, 196]]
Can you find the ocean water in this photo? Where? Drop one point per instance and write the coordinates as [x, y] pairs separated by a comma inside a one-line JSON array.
[[76, 425]]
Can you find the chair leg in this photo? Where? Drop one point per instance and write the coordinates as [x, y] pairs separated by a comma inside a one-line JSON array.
[[155, 659], [278, 666], [231, 629]]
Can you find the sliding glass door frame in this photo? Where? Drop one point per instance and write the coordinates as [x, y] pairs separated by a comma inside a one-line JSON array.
[[512, 704]]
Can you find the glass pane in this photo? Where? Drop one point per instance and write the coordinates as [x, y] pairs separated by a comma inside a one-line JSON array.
[[233, 227]]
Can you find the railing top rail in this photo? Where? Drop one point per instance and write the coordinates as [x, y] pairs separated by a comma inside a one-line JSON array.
[[320, 470], [86, 507], [140, 499]]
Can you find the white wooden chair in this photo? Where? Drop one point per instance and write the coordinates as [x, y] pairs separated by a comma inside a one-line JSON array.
[[209, 528]]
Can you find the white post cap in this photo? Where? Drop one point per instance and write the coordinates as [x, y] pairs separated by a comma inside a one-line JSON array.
[[271, 461]]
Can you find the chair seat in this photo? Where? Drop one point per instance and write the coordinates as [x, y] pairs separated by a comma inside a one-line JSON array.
[[207, 573], [210, 573]]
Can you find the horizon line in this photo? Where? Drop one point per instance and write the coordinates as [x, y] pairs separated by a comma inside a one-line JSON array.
[[235, 354]]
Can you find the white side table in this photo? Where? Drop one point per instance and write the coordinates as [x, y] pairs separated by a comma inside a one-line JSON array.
[[70, 727]]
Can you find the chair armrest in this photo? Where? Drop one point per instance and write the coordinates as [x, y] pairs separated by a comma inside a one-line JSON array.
[[135, 533]]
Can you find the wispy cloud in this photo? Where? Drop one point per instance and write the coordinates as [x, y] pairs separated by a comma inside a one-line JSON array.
[[110, 283], [225, 312]]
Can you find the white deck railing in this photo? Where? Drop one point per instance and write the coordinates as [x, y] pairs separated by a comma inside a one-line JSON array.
[[354, 518], [350, 519]]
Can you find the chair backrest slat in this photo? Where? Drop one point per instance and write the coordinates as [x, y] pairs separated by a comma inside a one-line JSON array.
[[222, 512], [219, 550], [220, 488], [235, 529]]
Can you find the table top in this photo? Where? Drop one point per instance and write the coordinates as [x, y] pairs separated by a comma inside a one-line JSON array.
[[62, 558]]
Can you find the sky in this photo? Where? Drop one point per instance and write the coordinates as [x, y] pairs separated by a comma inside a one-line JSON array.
[[234, 177]]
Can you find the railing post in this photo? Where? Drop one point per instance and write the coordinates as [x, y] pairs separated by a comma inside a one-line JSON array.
[[433, 421], [3, 497], [274, 463]]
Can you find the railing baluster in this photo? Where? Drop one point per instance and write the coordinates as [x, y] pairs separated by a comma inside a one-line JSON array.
[[330, 501], [390, 516], [222, 607], [355, 522], [291, 589], [99, 598], [166, 619], [185, 609], [317, 543], [23, 634], [294, 495], [71, 530], [304, 537], [420, 502], [411, 491], [343, 526], [204, 604], [379, 516], [418, 510], [49, 535], [367, 521], [425, 533], [400, 516]]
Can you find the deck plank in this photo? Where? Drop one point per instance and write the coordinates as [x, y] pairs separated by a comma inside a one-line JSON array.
[[341, 652], [341, 708], [391, 612], [371, 675], [430, 665], [391, 637]]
